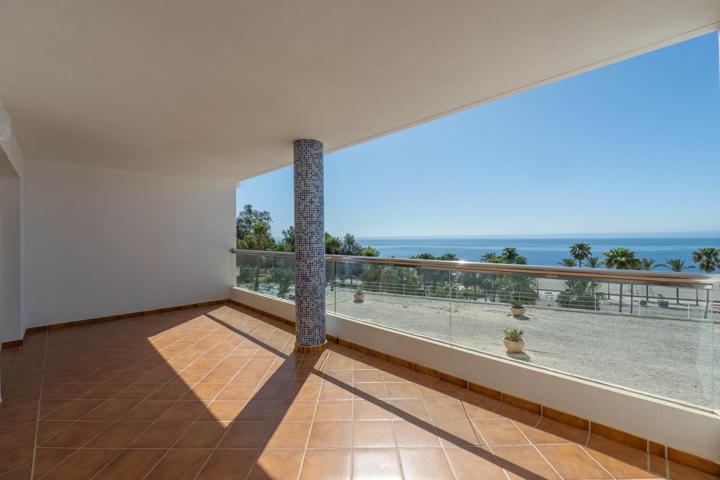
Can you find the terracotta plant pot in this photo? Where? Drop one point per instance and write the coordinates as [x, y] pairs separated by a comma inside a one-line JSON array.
[[514, 347], [517, 311], [359, 297]]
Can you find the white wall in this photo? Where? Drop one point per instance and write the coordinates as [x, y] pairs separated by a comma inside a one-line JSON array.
[[101, 242], [10, 323]]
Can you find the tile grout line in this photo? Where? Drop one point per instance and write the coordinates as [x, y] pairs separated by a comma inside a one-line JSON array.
[[191, 423], [537, 449], [254, 391], [117, 420], [312, 420], [482, 437], [120, 450], [37, 419], [442, 445]]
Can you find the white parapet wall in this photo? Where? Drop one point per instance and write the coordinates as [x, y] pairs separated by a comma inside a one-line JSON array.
[[692, 430]]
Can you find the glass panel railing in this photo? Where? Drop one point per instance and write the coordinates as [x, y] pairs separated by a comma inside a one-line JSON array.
[[651, 332]]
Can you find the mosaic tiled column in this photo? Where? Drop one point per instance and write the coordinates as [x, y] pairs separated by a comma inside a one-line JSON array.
[[309, 246]]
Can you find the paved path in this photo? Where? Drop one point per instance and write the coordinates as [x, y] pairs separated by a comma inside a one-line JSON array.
[[677, 359]]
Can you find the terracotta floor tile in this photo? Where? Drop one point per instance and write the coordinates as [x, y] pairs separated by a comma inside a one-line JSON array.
[[237, 391], [119, 435], [260, 410], [524, 463], [517, 414], [84, 463], [112, 409], [332, 410], [331, 434], [376, 464], [180, 464], [16, 456], [77, 434], [550, 431], [204, 391], [47, 430], [408, 409], [48, 458], [474, 462], [364, 410], [363, 376], [373, 433], [622, 461], [148, 410], [289, 435], [136, 391], [499, 432], [130, 465], [424, 463], [228, 464], [445, 409], [330, 391], [457, 433], [159, 435], [480, 406], [572, 462], [370, 391], [277, 464], [409, 434], [183, 411], [170, 391], [73, 410], [327, 464], [247, 434], [298, 411], [203, 434], [223, 410], [402, 390], [105, 391]]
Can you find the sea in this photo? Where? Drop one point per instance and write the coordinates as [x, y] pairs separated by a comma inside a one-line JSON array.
[[543, 250]]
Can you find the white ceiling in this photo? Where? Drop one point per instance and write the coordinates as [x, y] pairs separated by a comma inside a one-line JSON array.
[[222, 87]]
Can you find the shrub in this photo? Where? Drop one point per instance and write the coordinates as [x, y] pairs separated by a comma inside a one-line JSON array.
[[514, 335]]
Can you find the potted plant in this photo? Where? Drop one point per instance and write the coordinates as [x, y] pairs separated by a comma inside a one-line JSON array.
[[517, 309], [359, 296], [513, 341]]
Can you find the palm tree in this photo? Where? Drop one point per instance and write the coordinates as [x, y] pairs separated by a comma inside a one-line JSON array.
[[568, 262], [676, 265], [489, 257], [594, 262], [708, 258], [622, 259], [647, 264], [580, 252], [333, 245]]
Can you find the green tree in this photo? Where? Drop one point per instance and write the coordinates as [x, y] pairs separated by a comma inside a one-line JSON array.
[[245, 226], [350, 246], [287, 244], [579, 294], [594, 262], [580, 252], [332, 244], [676, 265], [647, 264], [568, 262], [510, 255], [489, 257], [622, 259], [708, 259]]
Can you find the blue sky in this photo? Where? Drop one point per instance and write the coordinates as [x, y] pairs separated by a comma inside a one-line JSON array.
[[629, 148]]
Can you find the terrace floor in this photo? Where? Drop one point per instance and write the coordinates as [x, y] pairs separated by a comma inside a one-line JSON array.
[[216, 392]]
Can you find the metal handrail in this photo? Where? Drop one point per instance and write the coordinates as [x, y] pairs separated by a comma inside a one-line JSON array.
[[675, 279]]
